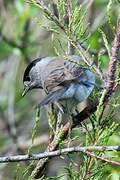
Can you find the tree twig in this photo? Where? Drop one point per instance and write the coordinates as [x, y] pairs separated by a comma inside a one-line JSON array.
[[111, 76], [41, 4], [85, 150], [113, 163]]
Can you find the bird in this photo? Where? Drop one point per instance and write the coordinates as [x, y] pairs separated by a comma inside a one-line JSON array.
[[65, 80]]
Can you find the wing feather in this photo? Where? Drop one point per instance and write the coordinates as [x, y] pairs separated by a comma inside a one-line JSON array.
[[59, 72], [53, 96]]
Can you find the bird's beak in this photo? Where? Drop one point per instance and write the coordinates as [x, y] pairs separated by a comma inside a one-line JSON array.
[[25, 90]]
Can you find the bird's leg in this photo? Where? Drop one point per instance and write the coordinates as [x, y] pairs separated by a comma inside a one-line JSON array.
[[76, 110], [74, 114], [59, 107]]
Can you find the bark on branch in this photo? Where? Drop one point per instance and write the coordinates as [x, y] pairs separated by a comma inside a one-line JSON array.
[[85, 150]]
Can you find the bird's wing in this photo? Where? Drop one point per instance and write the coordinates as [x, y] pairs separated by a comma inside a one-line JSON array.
[[53, 96], [58, 73]]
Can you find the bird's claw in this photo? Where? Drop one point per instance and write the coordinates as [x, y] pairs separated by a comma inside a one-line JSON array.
[[73, 116], [59, 107]]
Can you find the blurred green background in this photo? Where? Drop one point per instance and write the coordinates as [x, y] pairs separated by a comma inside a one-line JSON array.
[[22, 39]]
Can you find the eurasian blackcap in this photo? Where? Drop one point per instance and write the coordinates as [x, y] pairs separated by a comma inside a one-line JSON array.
[[65, 80]]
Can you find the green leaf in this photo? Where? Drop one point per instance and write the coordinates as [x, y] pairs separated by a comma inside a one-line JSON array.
[[110, 14], [61, 9], [105, 42]]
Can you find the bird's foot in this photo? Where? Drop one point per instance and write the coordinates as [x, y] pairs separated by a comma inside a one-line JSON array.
[[60, 107], [73, 116]]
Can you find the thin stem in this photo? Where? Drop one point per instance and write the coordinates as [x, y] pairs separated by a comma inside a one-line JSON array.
[[84, 150]]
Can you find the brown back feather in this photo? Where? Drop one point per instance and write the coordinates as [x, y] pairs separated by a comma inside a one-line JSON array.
[[59, 71]]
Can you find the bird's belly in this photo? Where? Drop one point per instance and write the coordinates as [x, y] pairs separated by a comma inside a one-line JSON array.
[[82, 92], [69, 92], [77, 93]]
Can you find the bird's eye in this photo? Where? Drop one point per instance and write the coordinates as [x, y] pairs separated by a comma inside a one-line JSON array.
[[27, 78]]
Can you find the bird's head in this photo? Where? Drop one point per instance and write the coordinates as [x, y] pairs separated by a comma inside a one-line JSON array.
[[31, 78]]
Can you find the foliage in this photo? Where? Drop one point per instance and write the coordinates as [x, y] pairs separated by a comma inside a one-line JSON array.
[[31, 33]]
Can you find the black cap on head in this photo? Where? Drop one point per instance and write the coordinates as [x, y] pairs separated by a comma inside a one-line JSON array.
[[26, 77], [29, 67]]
